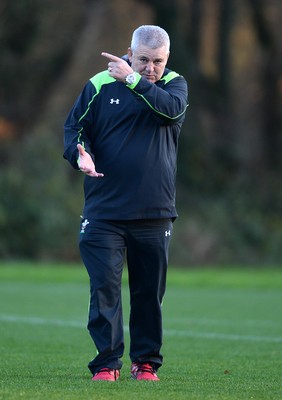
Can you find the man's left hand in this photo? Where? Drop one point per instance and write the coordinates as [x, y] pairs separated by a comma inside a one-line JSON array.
[[117, 67]]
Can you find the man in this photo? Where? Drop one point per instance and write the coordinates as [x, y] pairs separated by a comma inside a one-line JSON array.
[[122, 133]]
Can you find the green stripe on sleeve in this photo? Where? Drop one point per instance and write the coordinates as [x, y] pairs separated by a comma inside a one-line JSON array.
[[167, 78], [103, 78], [171, 75], [97, 81]]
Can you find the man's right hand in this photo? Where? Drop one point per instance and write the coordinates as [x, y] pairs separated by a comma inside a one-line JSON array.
[[85, 163]]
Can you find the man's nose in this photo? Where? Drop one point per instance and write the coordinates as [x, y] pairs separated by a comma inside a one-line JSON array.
[[150, 66]]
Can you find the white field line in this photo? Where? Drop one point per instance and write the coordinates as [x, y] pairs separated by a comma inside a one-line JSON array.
[[167, 332], [224, 322]]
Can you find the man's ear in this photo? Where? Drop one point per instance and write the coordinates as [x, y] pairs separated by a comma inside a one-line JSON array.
[[129, 53]]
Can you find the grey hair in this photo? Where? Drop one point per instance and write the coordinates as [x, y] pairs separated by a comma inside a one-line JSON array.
[[152, 36]]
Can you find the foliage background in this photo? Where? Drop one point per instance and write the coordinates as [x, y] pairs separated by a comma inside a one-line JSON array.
[[229, 171]]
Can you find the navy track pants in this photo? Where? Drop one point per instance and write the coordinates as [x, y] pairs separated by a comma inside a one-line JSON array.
[[104, 247]]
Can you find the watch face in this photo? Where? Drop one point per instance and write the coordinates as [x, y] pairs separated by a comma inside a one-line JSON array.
[[130, 79]]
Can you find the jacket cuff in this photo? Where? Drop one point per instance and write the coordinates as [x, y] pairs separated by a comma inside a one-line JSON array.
[[138, 78]]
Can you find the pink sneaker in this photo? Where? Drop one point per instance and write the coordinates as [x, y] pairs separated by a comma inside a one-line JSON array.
[[106, 374], [143, 372]]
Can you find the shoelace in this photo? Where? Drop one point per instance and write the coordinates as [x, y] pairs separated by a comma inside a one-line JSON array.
[[146, 368], [110, 371]]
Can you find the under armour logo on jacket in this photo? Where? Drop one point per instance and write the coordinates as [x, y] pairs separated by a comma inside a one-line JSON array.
[[167, 233], [114, 101]]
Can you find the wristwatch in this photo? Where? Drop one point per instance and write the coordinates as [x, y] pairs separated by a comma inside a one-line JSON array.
[[130, 79]]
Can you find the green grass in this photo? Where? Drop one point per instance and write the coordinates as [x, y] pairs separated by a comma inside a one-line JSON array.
[[222, 336]]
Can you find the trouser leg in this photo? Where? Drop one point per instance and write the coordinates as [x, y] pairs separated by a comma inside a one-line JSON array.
[[102, 251], [147, 259]]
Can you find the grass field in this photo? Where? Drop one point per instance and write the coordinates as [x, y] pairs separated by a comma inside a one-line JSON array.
[[222, 336]]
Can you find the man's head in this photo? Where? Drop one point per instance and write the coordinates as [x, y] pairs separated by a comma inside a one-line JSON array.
[[149, 51]]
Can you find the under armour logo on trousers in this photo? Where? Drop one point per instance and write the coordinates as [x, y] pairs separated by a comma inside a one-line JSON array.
[[167, 233], [112, 101], [83, 225]]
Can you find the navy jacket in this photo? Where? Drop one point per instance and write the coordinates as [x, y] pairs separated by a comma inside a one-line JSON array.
[[131, 132]]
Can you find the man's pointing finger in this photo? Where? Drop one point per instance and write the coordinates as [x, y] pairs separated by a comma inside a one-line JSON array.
[[111, 57]]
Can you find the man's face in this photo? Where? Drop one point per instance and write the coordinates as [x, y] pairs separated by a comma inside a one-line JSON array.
[[150, 63]]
